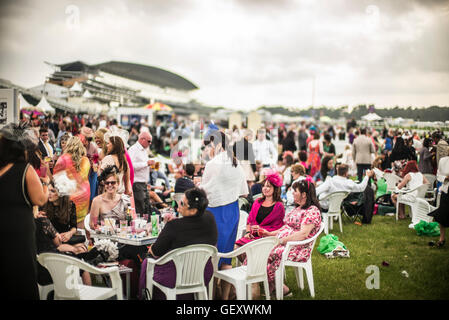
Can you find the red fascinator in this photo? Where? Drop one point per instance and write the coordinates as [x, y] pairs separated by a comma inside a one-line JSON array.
[[274, 177]]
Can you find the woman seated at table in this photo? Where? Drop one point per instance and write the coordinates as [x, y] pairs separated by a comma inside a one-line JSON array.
[[113, 205], [411, 178], [110, 204], [196, 227], [300, 224], [266, 212], [62, 214], [48, 239]]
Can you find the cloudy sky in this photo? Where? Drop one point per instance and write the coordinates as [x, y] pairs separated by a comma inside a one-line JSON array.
[[246, 53]]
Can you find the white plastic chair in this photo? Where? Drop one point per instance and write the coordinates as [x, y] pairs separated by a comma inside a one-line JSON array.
[[420, 209], [64, 271], [83, 231], [391, 179], [257, 196], [307, 266], [190, 262], [432, 190], [45, 290], [379, 174], [243, 219], [421, 193], [255, 271], [335, 200], [178, 197], [87, 223]]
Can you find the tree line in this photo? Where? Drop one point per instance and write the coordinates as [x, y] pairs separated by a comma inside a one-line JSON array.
[[432, 113]]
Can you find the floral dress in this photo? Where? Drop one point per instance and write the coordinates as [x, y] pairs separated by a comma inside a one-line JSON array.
[[293, 222], [81, 196]]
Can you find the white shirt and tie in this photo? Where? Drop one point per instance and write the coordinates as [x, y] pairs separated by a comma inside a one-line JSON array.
[[48, 147]]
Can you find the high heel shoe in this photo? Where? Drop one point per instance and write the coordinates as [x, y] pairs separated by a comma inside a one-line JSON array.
[[441, 243]]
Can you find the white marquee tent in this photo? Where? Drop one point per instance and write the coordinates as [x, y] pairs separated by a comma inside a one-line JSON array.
[[45, 106], [76, 87], [23, 103], [371, 117]]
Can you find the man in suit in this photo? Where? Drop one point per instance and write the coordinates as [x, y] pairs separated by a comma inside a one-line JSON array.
[[158, 132], [361, 153], [45, 145], [442, 147]]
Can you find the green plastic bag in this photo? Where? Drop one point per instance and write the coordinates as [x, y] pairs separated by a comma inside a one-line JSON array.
[[381, 187], [430, 229], [328, 243]]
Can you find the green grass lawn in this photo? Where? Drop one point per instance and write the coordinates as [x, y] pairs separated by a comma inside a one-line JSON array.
[[385, 239]]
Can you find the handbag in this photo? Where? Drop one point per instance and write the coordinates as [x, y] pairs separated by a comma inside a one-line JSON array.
[[76, 238]]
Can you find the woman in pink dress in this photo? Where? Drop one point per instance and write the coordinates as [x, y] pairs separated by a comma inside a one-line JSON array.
[[266, 212], [299, 224], [315, 151]]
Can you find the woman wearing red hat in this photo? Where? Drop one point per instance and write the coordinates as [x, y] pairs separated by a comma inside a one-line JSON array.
[[266, 212]]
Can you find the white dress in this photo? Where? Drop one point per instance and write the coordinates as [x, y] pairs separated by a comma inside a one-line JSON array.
[[416, 179]]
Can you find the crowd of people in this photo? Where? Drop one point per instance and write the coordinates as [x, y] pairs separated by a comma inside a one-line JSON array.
[[55, 171]]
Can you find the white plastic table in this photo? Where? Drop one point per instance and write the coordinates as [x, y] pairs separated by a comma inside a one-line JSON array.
[[134, 242]]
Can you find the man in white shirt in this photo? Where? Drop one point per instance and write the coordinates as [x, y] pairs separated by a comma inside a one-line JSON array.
[[340, 182], [138, 153], [264, 150]]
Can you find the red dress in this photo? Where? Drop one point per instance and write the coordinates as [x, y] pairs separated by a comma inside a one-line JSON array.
[[314, 159]]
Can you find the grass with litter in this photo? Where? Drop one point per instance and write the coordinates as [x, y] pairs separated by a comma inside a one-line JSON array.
[[385, 239]]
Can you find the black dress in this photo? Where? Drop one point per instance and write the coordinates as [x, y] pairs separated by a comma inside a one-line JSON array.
[[18, 246], [441, 214]]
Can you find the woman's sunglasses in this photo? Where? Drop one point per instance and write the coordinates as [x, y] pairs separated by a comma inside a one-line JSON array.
[[113, 183]]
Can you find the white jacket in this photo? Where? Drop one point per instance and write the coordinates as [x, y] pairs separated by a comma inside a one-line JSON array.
[[265, 152], [339, 183], [222, 182]]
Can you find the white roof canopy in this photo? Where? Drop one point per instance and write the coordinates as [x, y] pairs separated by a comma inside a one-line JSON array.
[[76, 87], [371, 117], [22, 102], [87, 94], [44, 105]]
